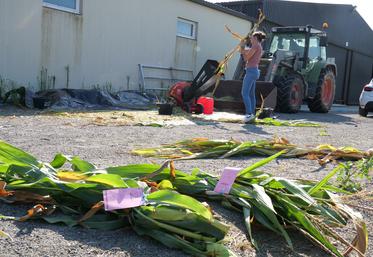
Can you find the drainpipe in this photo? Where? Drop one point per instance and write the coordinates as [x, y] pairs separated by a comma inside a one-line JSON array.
[[67, 76]]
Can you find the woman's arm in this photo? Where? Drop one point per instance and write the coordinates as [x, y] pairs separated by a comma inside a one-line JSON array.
[[247, 54]]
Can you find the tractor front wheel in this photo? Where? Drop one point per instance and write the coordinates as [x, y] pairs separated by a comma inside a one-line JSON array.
[[290, 94], [325, 91], [199, 109]]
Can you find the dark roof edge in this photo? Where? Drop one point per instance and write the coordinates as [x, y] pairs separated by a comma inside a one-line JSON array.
[[223, 9], [241, 2], [316, 3], [258, 1]]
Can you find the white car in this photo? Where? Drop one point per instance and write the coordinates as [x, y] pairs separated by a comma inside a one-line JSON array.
[[366, 100]]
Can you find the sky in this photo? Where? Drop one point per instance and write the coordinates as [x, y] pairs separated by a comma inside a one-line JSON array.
[[364, 7]]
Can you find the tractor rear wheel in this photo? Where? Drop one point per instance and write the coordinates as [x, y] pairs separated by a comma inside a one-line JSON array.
[[325, 91], [363, 112], [290, 94]]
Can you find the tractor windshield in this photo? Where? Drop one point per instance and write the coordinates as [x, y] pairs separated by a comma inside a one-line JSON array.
[[315, 51], [295, 43], [288, 42]]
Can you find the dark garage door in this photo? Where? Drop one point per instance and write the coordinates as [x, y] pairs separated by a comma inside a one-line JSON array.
[[361, 72], [340, 55]]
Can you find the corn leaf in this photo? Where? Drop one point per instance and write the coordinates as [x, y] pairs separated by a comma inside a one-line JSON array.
[[12, 155], [58, 161], [77, 163], [324, 181], [111, 180], [71, 176], [137, 171], [68, 220], [176, 199], [105, 222], [291, 212], [171, 241], [259, 164], [248, 218], [264, 203], [6, 235]]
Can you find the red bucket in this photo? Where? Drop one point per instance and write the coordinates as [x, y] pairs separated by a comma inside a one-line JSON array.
[[207, 103]]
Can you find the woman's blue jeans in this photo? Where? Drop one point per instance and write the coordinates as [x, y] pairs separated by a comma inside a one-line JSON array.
[[248, 89]]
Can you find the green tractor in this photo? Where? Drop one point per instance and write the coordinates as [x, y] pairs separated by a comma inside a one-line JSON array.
[[293, 69]]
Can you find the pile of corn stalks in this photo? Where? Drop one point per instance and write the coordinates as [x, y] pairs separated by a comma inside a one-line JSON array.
[[199, 148], [174, 219], [171, 215]]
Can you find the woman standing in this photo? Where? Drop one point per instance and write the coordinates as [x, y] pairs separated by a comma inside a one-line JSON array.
[[251, 57]]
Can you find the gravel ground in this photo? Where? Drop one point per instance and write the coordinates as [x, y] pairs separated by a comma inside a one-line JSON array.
[[107, 144]]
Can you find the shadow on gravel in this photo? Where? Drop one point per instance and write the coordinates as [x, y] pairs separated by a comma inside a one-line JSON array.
[[337, 114], [78, 241], [250, 128], [58, 239], [319, 169], [215, 124], [319, 117], [46, 239], [11, 110]]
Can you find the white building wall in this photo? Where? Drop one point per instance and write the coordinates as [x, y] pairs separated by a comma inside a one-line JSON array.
[[61, 47], [105, 44], [20, 34]]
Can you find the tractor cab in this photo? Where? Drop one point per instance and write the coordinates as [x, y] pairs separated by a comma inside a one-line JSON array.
[[304, 43]]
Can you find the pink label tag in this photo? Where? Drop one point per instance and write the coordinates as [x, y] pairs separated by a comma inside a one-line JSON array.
[[123, 198], [226, 181]]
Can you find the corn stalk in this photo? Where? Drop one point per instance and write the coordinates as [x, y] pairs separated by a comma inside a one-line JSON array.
[[273, 202], [199, 148], [171, 215], [74, 197]]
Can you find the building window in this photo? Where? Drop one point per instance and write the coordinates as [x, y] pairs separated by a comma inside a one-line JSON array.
[[63, 5], [186, 28]]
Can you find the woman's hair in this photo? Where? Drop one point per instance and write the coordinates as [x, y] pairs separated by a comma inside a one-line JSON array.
[[259, 35]]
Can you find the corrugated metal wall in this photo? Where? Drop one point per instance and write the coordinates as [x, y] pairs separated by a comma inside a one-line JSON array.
[[247, 7], [350, 37], [361, 72], [354, 71], [341, 59]]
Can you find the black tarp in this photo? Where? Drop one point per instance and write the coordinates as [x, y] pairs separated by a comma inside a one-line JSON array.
[[88, 99]]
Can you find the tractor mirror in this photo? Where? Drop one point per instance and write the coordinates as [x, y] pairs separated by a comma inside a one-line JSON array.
[[323, 41]]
